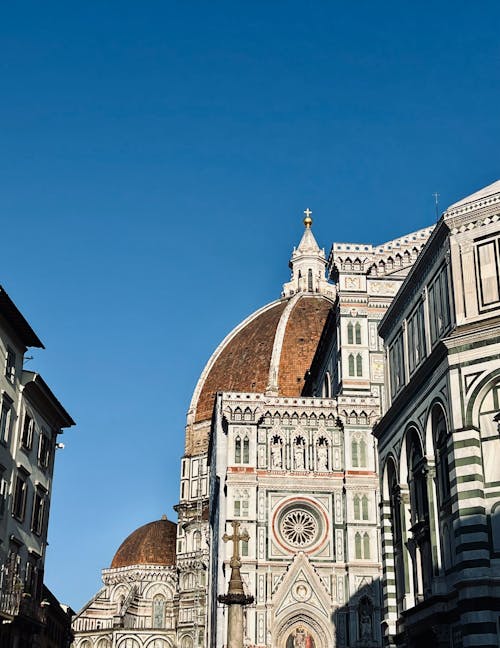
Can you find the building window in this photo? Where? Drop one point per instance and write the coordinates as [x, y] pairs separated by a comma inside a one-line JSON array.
[[31, 576], [358, 453], [244, 548], [357, 331], [241, 450], [350, 333], [5, 420], [396, 365], [419, 504], [364, 507], [20, 494], [360, 507], [354, 453], [241, 504], [44, 450], [38, 514], [27, 434], [4, 487], [441, 447], [246, 450], [310, 280], [357, 512], [351, 364], [366, 546], [10, 365], [416, 338], [357, 546], [359, 365], [362, 453], [439, 309], [158, 612], [362, 546]]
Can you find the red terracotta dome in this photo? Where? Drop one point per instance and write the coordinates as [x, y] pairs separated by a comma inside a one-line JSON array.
[[270, 351], [151, 544]]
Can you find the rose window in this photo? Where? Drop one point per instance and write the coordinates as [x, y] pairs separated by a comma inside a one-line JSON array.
[[299, 527]]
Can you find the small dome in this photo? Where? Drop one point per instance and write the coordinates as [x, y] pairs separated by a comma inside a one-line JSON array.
[[151, 544]]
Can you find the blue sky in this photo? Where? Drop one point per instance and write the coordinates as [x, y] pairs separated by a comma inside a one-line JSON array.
[[155, 160]]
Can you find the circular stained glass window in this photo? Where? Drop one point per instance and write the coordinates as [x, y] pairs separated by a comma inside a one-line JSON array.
[[299, 527]]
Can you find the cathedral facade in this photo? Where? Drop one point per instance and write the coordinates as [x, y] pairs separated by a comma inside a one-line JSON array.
[[278, 438]]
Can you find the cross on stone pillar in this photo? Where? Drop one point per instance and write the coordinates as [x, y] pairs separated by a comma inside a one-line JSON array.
[[235, 598], [236, 537]]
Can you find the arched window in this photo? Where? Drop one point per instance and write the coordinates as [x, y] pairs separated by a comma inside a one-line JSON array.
[[357, 546], [362, 453], [237, 450], [359, 365], [310, 280], [350, 333], [354, 453], [440, 436], [244, 547], [351, 364], [246, 450], [364, 507], [419, 504], [366, 546], [357, 513], [158, 612], [240, 506], [357, 330]]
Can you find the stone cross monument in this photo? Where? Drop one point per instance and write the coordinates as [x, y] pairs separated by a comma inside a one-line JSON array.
[[235, 598]]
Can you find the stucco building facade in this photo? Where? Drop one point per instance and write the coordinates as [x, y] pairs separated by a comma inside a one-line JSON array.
[[31, 422]]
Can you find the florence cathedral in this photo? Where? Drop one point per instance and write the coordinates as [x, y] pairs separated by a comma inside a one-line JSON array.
[[279, 439]]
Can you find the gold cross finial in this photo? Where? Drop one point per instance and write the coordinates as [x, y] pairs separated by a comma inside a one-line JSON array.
[[308, 220], [236, 537]]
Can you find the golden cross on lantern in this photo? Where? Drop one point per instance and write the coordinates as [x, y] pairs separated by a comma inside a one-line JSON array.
[[308, 220], [236, 537]]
